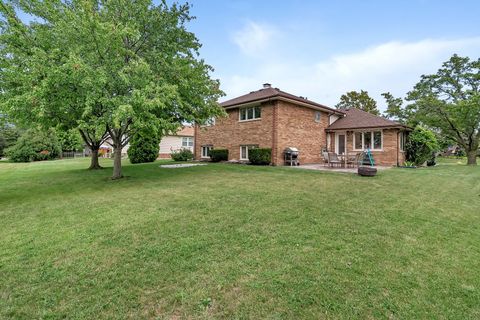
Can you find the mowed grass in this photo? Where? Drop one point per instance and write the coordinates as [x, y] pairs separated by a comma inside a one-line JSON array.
[[232, 241]]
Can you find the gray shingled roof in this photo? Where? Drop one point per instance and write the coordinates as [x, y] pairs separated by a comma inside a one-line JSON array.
[[358, 119]]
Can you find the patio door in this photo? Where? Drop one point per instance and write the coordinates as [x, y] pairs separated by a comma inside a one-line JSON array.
[[340, 143]]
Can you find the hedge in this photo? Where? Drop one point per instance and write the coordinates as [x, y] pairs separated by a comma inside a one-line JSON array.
[[217, 155], [144, 146], [260, 156], [182, 155]]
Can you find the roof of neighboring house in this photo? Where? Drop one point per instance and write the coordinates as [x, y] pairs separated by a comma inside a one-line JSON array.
[[269, 93], [186, 131], [359, 119]]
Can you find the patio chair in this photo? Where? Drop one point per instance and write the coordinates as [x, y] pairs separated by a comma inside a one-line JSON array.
[[333, 159], [325, 158], [352, 159]]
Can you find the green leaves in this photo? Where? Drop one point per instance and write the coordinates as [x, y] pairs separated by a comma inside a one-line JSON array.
[[360, 100], [114, 64], [420, 146], [449, 101]]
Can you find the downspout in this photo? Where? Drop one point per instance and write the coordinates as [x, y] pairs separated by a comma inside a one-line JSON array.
[[398, 148], [274, 133]]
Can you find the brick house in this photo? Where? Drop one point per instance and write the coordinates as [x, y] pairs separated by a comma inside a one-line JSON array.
[[271, 118]]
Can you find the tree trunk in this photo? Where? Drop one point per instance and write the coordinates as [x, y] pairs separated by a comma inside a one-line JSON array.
[[94, 164], [117, 163], [472, 157]]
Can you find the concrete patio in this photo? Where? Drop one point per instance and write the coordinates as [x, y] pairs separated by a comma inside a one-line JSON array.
[[321, 167]]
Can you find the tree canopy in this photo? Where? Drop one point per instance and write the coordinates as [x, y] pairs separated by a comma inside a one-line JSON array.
[[449, 102], [107, 66], [360, 100]]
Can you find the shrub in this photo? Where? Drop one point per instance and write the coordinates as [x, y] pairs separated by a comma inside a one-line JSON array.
[[35, 145], [260, 156], [217, 155], [460, 153], [182, 155], [421, 145], [144, 145], [432, 161]]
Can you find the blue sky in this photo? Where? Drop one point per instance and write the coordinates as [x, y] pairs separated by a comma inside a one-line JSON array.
[[321, 49]]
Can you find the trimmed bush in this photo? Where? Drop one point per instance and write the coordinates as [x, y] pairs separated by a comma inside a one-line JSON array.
[[35, 145], [260, 156], [144, 146], [182, 155], [421, 145], [217, 155]]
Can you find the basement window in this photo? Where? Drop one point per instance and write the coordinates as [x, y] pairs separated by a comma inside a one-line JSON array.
[[206, 151], [244, 151]]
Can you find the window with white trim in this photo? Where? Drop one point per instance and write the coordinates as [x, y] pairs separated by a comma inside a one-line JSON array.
[[244, 151], [206, 151], [403, 140], [250, 113], [187, 142], [318, 116], [368, 140]]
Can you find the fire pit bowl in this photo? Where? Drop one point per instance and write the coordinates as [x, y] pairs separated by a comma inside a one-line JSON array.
[[367, 171]]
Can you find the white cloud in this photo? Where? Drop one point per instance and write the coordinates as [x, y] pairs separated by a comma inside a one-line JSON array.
[[392, 66], [254, 38]]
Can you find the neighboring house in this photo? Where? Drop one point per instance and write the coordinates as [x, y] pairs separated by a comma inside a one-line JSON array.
[[183, 138], [271, 118]]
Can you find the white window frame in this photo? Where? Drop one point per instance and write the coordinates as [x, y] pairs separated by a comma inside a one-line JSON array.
[[402, 140], [208, 148], [318, 116], [363, 140], [337, 141], [187, 142], [254, 112], [248, 147]]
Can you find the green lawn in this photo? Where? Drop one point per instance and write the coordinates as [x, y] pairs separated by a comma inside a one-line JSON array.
[[232, 241]]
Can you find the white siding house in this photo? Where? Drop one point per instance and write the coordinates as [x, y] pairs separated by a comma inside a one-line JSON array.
[[184, 138]]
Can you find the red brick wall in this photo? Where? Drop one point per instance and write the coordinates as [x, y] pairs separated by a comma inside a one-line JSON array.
[[230, 133], [164, 156], [297, 128], [285, 125], [386, 157]]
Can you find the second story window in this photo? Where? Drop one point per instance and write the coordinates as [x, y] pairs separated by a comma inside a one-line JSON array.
[[250, 113]]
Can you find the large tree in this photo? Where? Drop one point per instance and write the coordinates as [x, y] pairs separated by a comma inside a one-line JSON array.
[[128, 64], [449, 102], [41, 80], [360, 100]]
